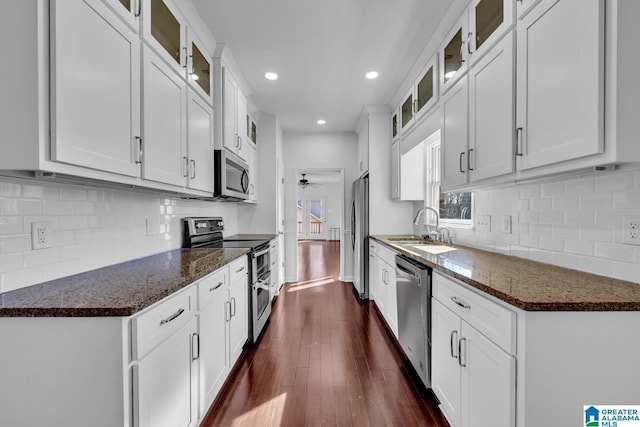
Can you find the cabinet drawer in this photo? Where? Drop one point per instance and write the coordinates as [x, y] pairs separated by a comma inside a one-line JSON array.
[[156, 324], [238, 268], [210, 285], [373, 247], [387, 255], [494, 321]]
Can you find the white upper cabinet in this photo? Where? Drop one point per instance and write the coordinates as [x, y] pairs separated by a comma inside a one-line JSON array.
[[234, 116], [560, 92], [165, 30], [165, 132], [492, 112], [426, 89], [489, 20], [129, 10], [363, 149], [199, 69], [200, 143], [455, 136], [453, 54], [95, 88], [395, 171], [395, 126]]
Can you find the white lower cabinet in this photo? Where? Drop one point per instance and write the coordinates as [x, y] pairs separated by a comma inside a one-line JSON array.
[[166, 382], [473, 378], [223, 323], [382, 284]]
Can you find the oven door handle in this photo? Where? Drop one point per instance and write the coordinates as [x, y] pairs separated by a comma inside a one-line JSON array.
[[259, 254]]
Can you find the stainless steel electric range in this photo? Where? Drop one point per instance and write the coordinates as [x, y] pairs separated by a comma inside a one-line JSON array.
[[207, 232]]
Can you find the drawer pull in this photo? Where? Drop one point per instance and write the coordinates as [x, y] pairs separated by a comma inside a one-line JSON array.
[[460, 302], [172, 317], [216, 286], [452, 346], [239, 270], [233, 310], [195, 354]]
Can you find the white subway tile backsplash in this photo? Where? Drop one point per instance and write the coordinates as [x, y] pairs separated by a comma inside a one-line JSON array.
[[551, 243], [541, 204], [11, 262], [540, 229], [615, 252], [565, 203], [626, 271], [582, 185], [615, 183], [566, 260], [626, 200], [552, 217], [90, 227], [540, 255], [10, 225], [578, 217], [580, 247], [594, 265], [530, 192], [565, 231], [596, 234], [596, 201], [552, 189]]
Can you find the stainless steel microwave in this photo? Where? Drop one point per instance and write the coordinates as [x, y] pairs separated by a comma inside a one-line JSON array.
[[231, 177]]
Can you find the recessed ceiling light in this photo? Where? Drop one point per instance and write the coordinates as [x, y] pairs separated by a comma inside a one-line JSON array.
[[322, 122], [371, 75], [271, 76]]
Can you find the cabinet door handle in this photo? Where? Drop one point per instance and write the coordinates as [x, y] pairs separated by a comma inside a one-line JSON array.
[[460, 302], [469, 43], [227, 311], [139, 141], [186, 58], [462, 364], [415, 106], [193, 169], [460, 161], [451, 345], [519, 142], [174, 316], [195, 354], [138, 7], [185, 171], [240, 269], [233, 310], [469, 159], [216, 286]]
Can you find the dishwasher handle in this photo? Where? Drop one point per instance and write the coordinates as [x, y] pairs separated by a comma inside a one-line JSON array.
[[410, 271]]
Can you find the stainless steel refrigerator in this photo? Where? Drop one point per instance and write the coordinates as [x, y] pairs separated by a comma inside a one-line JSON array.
[[359, 236]]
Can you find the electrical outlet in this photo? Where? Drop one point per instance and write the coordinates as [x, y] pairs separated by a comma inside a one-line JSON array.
[[631, 230], [506, 224], [40, 235], [483, 222]]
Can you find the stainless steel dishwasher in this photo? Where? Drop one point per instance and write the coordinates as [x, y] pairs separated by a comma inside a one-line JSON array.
[[413, 281]]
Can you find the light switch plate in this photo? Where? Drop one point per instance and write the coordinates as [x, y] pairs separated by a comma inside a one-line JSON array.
[[483, 222], [506, 224]]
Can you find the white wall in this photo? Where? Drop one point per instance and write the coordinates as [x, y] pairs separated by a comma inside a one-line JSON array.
[[320, 150], [570, 222], [91, 227]]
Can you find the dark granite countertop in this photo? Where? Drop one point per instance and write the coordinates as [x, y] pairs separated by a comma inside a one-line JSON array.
[[251, 237], [529, 285], [117, 290]]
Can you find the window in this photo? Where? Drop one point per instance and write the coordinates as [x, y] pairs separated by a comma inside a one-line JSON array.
[[455, 208]]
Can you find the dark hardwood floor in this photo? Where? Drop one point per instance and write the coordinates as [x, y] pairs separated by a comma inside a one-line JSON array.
[[324, 360]]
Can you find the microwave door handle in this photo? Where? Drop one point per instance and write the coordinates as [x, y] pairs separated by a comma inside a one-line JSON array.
[[259, 254], [244, 181]]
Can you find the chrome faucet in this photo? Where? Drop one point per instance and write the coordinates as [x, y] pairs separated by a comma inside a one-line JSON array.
[[416, 220], [439, 233]]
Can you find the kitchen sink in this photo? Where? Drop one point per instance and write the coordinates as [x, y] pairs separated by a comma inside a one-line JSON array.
[[431, 248]]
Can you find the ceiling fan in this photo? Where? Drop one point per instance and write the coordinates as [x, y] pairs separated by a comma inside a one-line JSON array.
[[304, 182]]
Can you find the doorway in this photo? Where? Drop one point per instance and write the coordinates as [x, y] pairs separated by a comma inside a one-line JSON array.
[[312, 218], [319, 204]]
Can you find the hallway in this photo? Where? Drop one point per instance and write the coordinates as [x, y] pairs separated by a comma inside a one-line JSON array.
[[324, 360]]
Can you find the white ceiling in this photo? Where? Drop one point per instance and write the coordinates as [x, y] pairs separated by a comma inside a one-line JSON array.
[[321, 51]]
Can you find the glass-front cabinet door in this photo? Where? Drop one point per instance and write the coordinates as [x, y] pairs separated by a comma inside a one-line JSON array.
[[164, 30], [453, 54], [406, 111], [426, 89], [395, 130], [199, 67], [489, 20], [128, 10]]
